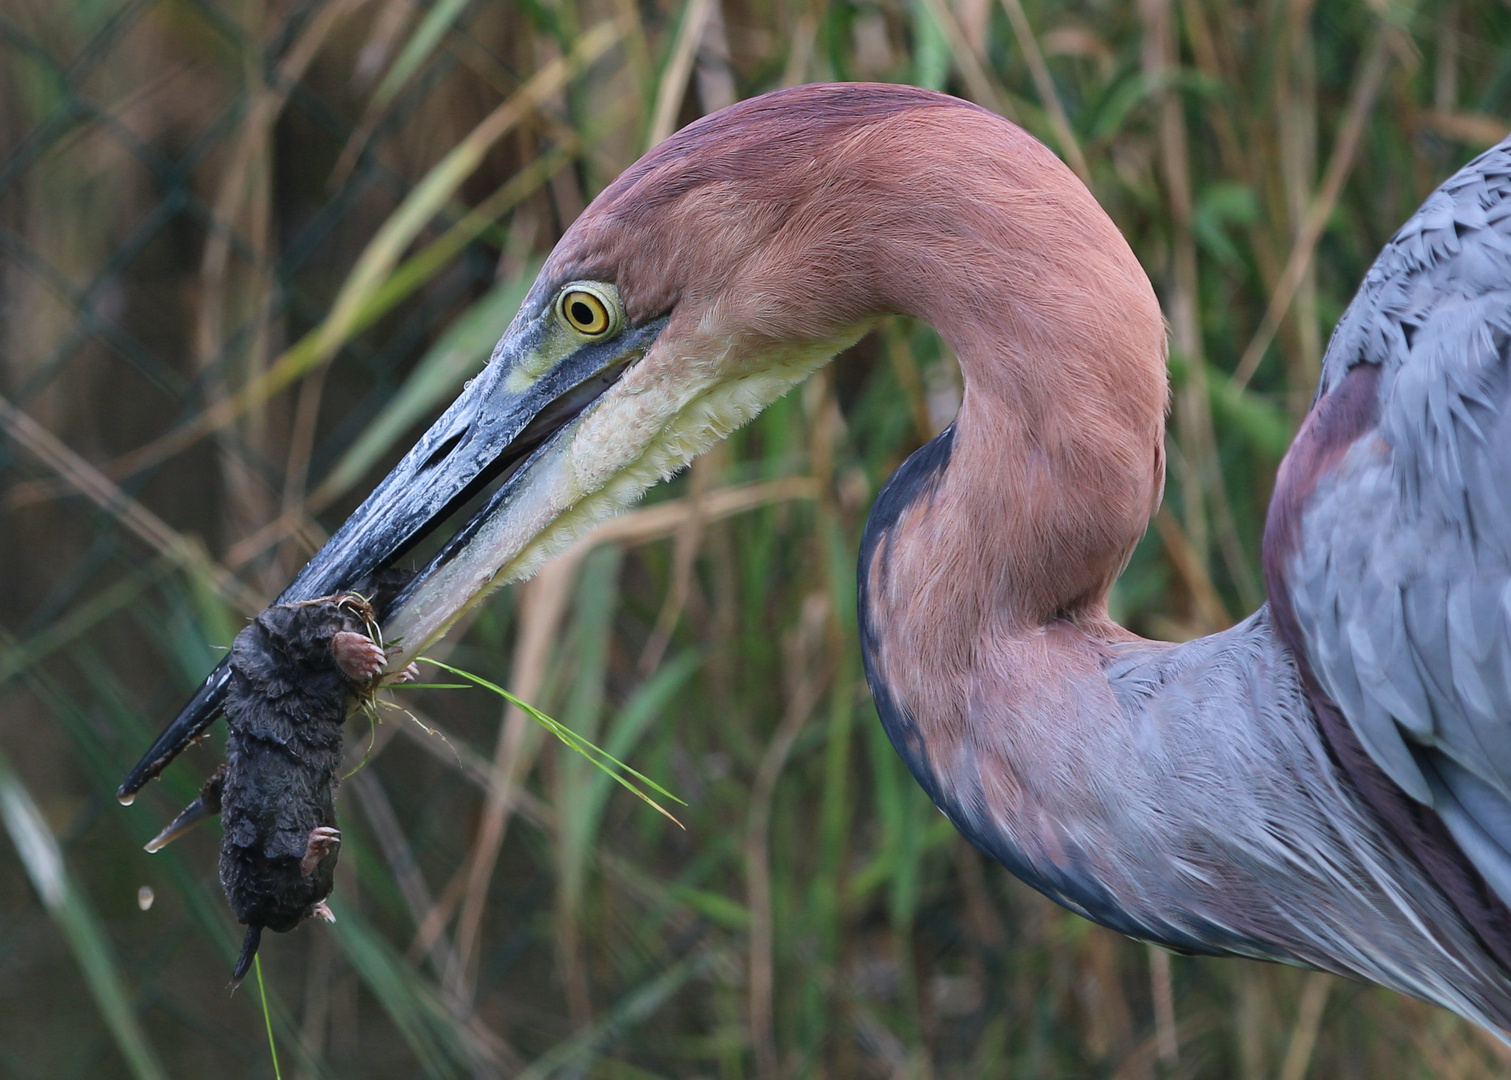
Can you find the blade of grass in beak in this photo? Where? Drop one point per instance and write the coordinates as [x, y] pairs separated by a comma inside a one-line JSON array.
[[598, 756]]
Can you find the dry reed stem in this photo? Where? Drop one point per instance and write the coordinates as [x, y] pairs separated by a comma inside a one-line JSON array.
[[243, 206], [296, 468], [541, 608], [373, 266], [542, 603], [1210, 609], [1298, 169], [679, 68], [293, 524], [1204, 492], [1192, 418], [637, 50], [384, 250], [476, 768], [905, 367], [1361, 103], [686, 542], [1473, 129], [802, 700], [1298, 1055], [1498, 1049], [1250, 1008], [317, 1000], [450, 752], [1111, 1021], [370, 60], [1065, 135], [1457, 1062], [1205, 50], [400, 858], [1166, 1036], [800, 56], [437, 918], [715, 78], [489, 1054], [268, 100], [1193, 413]]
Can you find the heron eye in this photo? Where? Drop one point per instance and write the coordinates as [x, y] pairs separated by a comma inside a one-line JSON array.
[[586, 312]]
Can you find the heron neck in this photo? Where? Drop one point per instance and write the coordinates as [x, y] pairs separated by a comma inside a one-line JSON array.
[[1055, 464], [1001, 539]]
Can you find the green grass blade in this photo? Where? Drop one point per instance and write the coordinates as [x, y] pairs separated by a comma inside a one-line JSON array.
[[417, 49], [77, 921], [441, 183], [598, 756], [442, 1046], [625, 730], [267, 1017], [577, 1052]]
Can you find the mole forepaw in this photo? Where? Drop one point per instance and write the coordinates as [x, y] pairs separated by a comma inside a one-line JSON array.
[[360, 658], [323, 841]]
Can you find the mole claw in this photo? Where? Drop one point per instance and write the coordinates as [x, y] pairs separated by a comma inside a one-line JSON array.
[[207, 805], [322, 910], [411, 673], [360, 658], [323, 841]]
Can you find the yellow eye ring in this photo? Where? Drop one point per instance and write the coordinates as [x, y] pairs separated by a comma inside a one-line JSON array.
[[585, 311]]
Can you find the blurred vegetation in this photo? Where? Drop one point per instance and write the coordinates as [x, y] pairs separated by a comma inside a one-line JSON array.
[[249, 247]]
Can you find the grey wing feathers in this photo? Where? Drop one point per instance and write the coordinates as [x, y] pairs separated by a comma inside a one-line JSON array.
[[1401, 579]]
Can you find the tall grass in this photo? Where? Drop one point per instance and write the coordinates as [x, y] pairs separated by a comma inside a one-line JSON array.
[[248, 248]]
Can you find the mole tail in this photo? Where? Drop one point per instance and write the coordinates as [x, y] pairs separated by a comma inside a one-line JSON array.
[[248, 951]]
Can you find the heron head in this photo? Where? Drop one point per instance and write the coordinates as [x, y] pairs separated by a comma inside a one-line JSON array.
[[714, 274], [724, 267], [696, 289]]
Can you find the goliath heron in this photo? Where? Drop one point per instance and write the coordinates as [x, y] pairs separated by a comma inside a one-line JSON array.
[[1326, 784]]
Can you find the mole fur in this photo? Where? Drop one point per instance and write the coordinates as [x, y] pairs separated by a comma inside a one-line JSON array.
[[285, 706]]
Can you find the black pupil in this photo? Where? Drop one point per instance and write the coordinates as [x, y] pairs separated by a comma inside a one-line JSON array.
[[582, 313]]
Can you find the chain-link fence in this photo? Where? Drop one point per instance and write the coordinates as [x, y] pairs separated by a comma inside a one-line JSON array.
[[248, 247], [184, 189]]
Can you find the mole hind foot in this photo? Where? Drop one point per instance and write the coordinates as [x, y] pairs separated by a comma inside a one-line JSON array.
[[360, 658], [323, 911], [323, 841]]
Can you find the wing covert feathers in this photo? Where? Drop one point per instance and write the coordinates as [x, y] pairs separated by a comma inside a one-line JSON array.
[[1388, 548]]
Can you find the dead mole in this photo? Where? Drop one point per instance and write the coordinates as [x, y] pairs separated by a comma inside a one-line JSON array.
[[294, 672]]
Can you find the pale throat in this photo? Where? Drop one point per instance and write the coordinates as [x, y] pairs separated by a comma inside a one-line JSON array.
[[653, 422]]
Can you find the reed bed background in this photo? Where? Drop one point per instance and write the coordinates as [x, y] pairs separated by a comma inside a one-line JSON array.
[[249, 247]]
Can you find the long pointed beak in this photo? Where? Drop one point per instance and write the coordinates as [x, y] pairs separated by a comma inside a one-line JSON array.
[[497, 422]]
